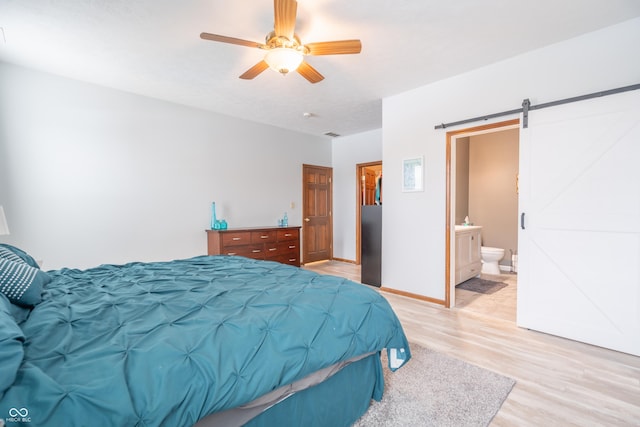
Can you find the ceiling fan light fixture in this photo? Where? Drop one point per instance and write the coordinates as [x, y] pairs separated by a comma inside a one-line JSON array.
[[284, 50], [283, 59]]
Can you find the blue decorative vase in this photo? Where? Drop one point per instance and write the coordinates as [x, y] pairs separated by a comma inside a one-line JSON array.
[[214, 221]]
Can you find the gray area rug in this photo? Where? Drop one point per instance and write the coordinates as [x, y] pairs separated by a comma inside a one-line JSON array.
[[482, 286], [433, 389]]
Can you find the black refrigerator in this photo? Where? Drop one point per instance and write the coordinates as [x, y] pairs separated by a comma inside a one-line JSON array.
[[371, 245]]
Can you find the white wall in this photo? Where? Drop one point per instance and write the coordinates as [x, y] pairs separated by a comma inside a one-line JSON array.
[[91, 175], [493, 195], [414, 223], [347, 152]]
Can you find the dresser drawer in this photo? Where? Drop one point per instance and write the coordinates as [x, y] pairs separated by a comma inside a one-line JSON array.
[[271, 250], [250, 251], [289, 234], [292, 259], [263, 236], [236, 238], [288, 247]]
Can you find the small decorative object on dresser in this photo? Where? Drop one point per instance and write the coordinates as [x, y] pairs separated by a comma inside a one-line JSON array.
[[280, 244], [217, 224]]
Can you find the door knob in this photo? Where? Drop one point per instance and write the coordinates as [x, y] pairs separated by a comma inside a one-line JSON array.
[[307, 220]]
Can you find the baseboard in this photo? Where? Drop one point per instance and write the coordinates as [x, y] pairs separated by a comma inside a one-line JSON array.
[[349, 261], [414, 296]]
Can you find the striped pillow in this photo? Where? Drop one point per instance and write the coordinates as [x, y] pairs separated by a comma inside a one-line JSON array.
[[21, 283], [6, 250], [7, 254]]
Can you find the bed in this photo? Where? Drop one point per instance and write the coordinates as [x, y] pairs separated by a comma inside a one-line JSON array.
[[210, 340]]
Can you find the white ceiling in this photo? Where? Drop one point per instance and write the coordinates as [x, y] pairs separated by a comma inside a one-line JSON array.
[[153, 48]]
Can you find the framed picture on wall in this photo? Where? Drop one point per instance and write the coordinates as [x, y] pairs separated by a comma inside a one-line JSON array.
[[412, 174]]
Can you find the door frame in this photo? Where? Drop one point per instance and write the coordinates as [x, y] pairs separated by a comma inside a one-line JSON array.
[[449, 256], [304, 199], [359, 170]]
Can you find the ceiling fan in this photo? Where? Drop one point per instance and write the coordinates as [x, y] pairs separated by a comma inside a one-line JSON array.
[[285, 51]]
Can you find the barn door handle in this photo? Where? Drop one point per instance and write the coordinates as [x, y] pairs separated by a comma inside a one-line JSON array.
[[522, 220]]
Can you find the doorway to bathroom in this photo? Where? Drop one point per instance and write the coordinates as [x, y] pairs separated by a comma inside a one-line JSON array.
[[482, 191]]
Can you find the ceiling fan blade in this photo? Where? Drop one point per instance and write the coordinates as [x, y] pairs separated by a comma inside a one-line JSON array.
[[284, 22], [309, 73], [255, 70], [334, 48], [231, 40]]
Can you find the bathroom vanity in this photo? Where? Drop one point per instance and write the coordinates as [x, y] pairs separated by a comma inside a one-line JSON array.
[[468, 259]]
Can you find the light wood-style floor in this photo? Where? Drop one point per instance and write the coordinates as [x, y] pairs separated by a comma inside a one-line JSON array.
[[559, 382], [500, 305]]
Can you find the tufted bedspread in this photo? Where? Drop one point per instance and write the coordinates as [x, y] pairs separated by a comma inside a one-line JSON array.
[[168, 343]]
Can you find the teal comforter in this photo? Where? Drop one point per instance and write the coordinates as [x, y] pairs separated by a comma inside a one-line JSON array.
[[167, 343]]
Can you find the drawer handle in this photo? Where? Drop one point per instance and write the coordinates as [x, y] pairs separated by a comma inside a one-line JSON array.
[[292, 246], [256, 251], [273, 249], [288, 234], [231, 253], [237, 238], [292, 259], [264, 236]]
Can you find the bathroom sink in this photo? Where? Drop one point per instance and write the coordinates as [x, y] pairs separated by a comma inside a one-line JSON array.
[[467, 227]]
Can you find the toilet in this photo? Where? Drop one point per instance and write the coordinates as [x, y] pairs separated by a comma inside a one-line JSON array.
[[490, 258]]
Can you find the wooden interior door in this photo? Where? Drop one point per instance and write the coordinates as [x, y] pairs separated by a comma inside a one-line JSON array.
[[369, 187], [317, 224], [579, 238]]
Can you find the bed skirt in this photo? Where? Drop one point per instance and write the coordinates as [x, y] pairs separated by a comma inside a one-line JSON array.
[[336, 396]]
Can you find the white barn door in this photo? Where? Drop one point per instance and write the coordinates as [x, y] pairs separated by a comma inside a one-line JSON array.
[[579, 253]]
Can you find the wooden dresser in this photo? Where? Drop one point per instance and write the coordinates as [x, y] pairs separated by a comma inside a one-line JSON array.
[[280, 244]]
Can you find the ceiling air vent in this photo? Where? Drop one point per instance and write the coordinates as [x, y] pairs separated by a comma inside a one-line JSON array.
[[332, 134]]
